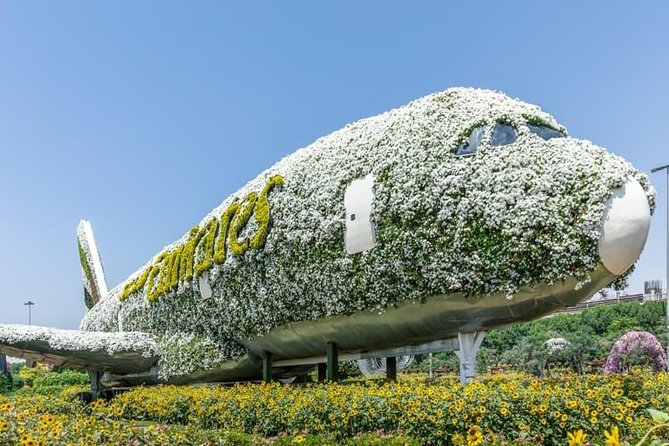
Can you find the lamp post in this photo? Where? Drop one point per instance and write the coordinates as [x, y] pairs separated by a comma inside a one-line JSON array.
[[29, 304], [666, 283]]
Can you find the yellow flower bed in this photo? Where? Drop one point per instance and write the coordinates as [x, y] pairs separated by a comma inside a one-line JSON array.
[[514, 409]]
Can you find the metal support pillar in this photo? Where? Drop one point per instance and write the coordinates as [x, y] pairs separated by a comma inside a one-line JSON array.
[[332, 362], [322, 372], [391, 368], [96, 386], [469, 347], [267, 368], [666, 228], [430, 366]]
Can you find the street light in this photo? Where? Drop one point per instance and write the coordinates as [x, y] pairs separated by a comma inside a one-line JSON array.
[[657, 169], [29, 304]]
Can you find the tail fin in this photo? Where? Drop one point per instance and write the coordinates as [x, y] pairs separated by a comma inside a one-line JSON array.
[[93, 275]]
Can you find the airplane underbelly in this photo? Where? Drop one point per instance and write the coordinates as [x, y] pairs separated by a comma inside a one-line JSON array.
[[440, 317]]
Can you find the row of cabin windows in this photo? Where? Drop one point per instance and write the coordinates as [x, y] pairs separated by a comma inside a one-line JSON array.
[[502, 135]]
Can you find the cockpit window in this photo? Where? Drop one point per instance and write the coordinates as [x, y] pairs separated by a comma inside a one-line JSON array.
[[503, 134], [545, 132], [471, 144]]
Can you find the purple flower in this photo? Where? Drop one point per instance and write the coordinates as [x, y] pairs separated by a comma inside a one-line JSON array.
[[635, 341]]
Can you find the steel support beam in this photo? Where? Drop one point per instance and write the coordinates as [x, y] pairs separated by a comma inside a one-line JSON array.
[[332, 362], [96, 386], [267, 368], [391, 368]]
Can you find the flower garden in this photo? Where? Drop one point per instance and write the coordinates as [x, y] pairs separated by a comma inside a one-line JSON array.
[[514, 408], [523, 213], [510, 409]]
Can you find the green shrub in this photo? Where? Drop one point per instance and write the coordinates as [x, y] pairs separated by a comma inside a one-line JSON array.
[[18, 382], [29, 374], [6, 382], [349, 369], [64, 378], [44, 390]]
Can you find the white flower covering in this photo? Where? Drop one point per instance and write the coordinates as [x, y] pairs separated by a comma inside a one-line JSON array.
[[555, 345], [524, 213], [184, 353], [91, 293], [75, 340]]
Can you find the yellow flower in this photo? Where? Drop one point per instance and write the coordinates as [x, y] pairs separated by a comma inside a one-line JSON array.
[[613, 437], [576, 438], [474, 436]]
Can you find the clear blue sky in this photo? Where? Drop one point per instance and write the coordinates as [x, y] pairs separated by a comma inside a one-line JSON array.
[[143, 116]]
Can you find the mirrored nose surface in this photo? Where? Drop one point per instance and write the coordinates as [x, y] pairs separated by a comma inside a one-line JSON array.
[[624, 227]]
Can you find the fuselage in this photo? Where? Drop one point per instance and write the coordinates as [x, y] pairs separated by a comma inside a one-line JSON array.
[[461, 211]]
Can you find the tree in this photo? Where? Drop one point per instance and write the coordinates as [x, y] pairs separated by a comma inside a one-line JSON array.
[[591, 334]]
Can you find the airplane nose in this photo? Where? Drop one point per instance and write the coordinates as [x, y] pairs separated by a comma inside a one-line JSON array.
[[624, 227]]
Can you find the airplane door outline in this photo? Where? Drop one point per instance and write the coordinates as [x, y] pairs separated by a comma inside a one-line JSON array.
[[358, 200]]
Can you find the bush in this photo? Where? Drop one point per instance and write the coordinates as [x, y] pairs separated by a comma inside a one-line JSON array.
[[49, 390], [441, 362], [66, 377], [6, 383], [29, 374], [18, 382], [348, 369]]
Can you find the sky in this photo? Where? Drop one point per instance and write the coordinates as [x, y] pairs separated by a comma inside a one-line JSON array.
[[144, 116]]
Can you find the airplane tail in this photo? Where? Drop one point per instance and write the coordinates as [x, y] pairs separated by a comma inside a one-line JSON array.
[[93, 275]]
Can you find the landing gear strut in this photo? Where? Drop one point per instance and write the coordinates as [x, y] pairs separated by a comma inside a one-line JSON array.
[[469, 347]]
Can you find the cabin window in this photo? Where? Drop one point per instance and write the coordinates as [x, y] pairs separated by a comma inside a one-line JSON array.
[[503, 134], [471, 144], [545, 132]]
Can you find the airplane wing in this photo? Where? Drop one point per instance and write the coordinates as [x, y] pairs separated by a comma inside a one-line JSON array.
[[115, 352]]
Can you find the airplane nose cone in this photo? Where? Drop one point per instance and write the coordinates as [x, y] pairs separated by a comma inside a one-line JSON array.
[[624, 227]]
